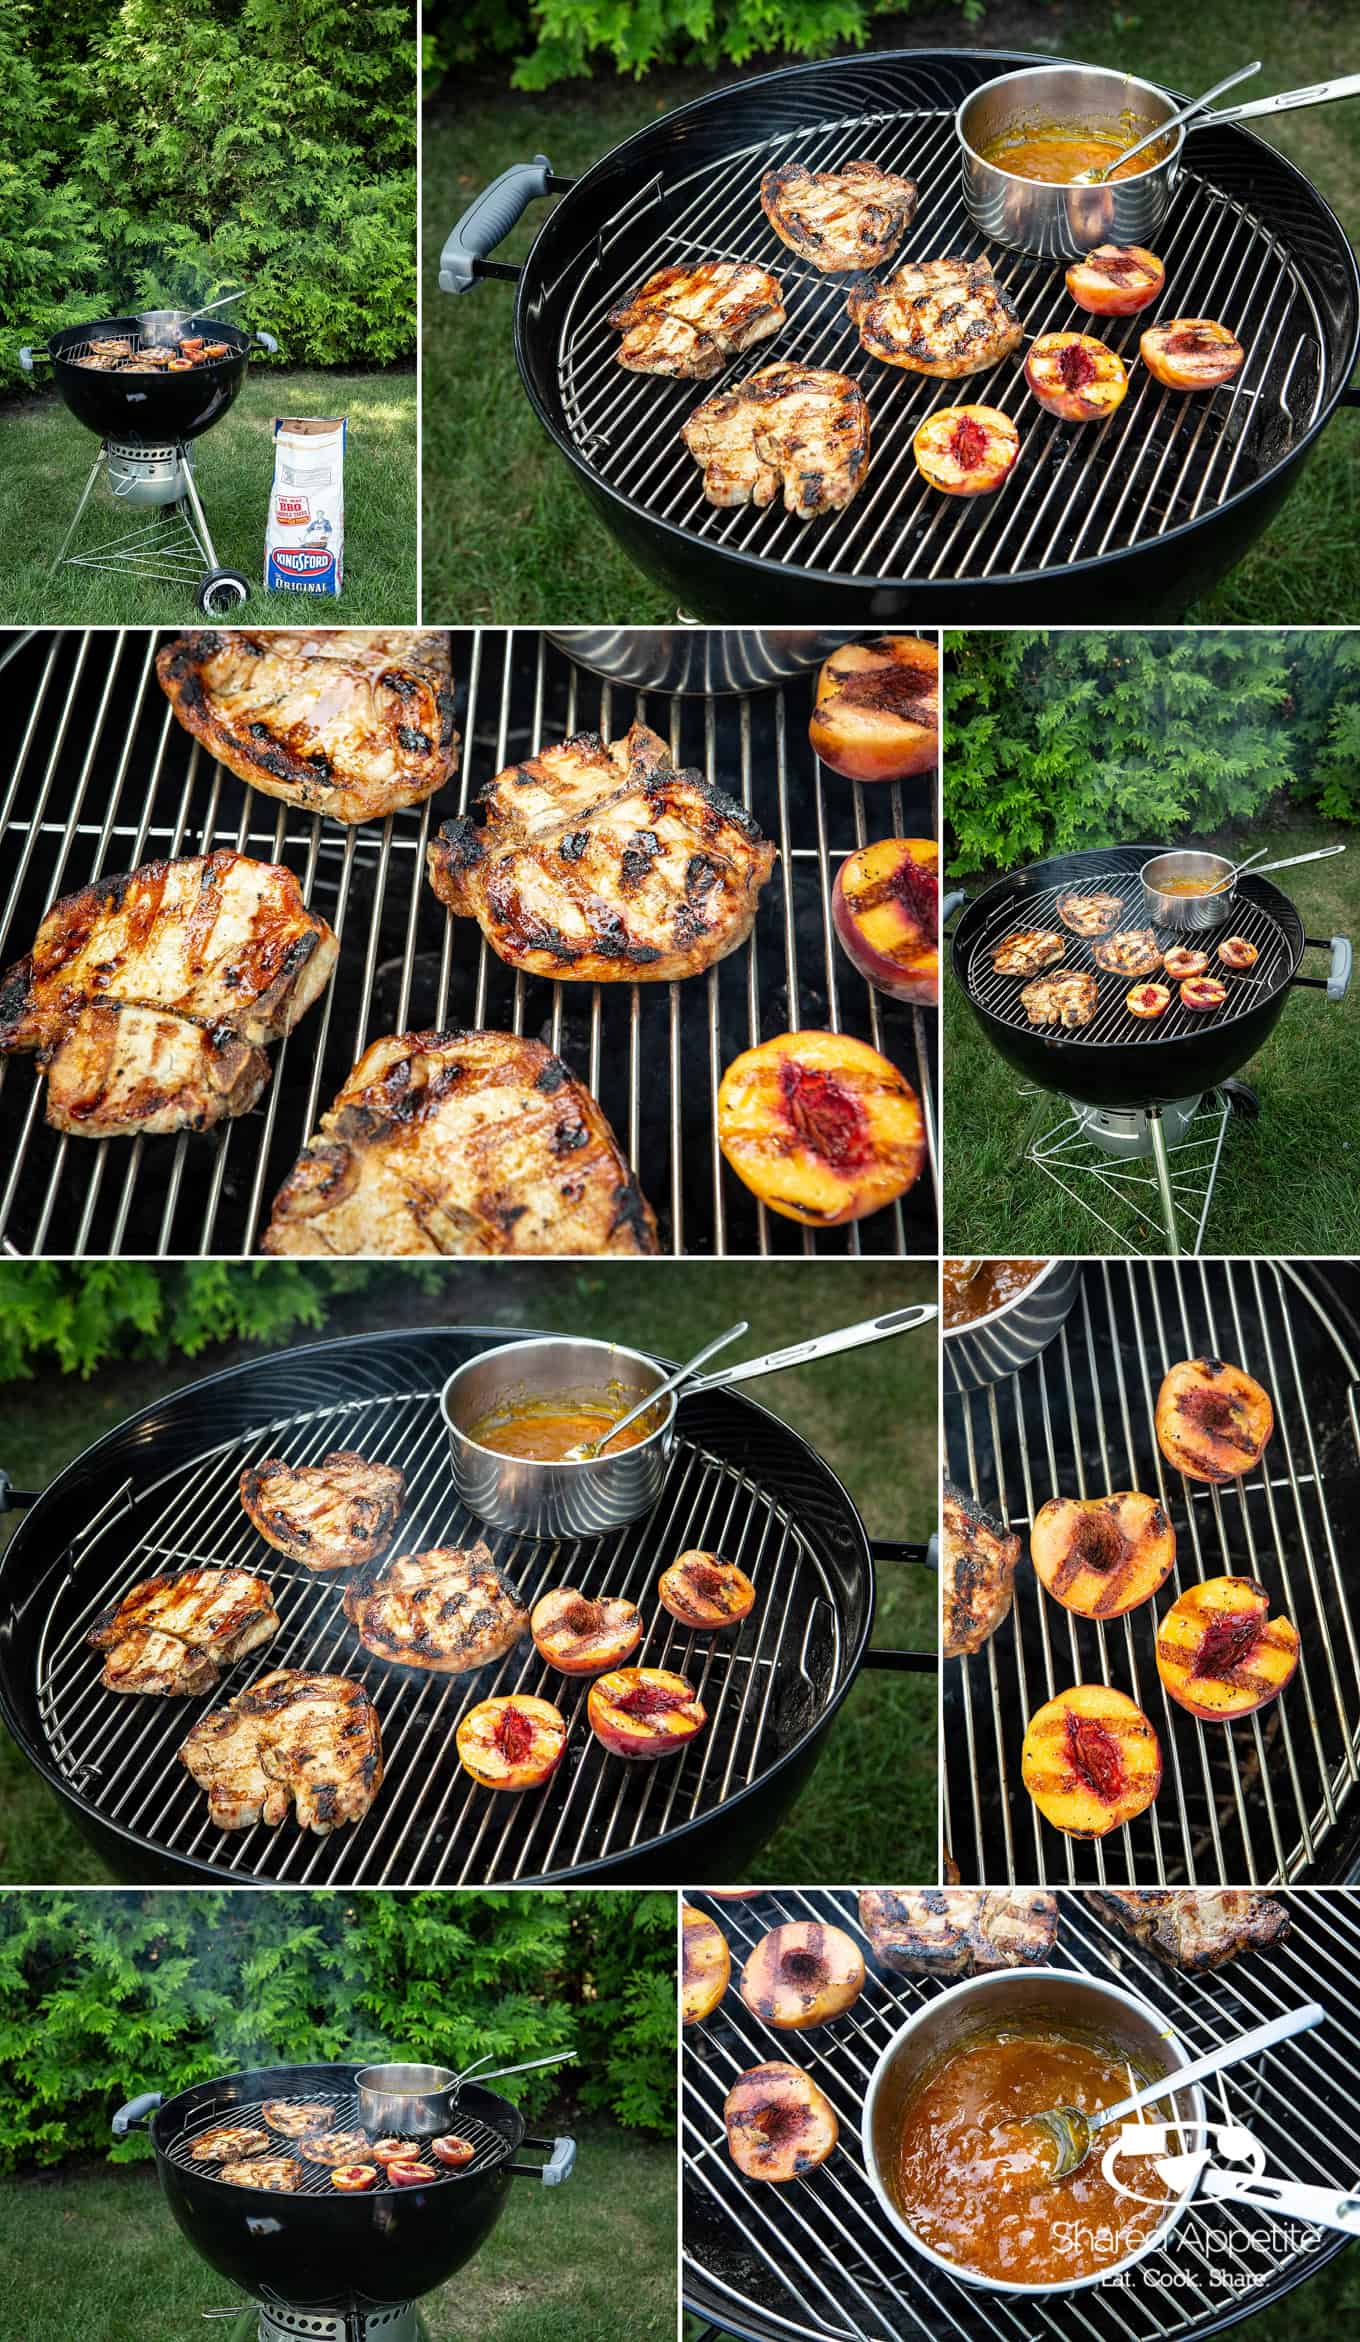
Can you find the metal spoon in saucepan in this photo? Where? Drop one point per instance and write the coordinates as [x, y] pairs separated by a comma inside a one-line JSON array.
[[586, 1448], [1100, 172]]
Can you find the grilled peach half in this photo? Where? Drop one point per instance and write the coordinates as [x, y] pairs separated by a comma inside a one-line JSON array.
[[1204, 993], [1091, 1760], [1075, 377], [779, 2124], [409, 2173], [1221, 1654], [1181, 962], [452, 2151], [578, 1636], [705, 1965], [966, 451], [1191, 353], [353, 2178], [1147, 1001], [514, 1742], [820, 1127], [877, 712], [644, 1712], [1102, 1555], [1115, 280], [802, 1974], [1213, 1422], [1235, 952], [389, 2150], [706, 1593], [885, 906]]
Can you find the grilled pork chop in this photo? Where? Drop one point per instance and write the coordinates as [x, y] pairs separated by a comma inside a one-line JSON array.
[[228, 2139], [350, 721], [475, 1143], [977, 1574], [277, 2175], [958, 1931], [1190, 1929], [1090, 914], [1026, 950], [329, 1515], [335, 2147], [149, 997], [690, 319], [293, 2117], [310, 1741], [175, 1635], [851, 218], [1133, 951], [448, 1610], [801, 427], [1069, 999], [603, 863], [938, 317]]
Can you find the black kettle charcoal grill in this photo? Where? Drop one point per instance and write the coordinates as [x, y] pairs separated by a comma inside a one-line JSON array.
[[1126, 522], [146, 424], [1148, 1101]]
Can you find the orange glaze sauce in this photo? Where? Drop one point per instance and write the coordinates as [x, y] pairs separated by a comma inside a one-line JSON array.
[[544, 1429], [977, 2189], [1188, 886], [970, 1297], [1056, 153]]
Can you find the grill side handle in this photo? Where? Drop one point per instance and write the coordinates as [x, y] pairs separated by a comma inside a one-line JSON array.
[[136, 2114], [488, 220], [29, 358], [1336, 982], [12, 1499], [950, 903], [561, 2154], [919, 1557]]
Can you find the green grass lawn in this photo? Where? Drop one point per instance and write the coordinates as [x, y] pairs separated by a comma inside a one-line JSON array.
[[870, 1807], [513, 539], [45, 455], [1287, 1183], [593, 2261]]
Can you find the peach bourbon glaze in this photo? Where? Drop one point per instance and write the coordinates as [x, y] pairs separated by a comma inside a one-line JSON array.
[[971, 2178], [545, 1430]]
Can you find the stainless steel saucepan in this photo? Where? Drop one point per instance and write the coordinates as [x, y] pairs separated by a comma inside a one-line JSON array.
[[1196, 914], [701, 659], [421, 2102], [162, 327]]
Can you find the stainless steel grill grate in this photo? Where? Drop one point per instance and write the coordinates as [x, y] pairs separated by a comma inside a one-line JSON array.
[[815, 2260], [1274, 1796], [1076, 495], [430, 1824], [104, 778], [336, 2110]]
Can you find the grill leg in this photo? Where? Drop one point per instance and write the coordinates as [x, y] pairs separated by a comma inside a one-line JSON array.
[[200, 518], [86, 494], [1163, 1170]]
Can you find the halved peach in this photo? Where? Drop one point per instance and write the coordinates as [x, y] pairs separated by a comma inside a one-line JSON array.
[[802, 1974], [1147, 1001], [1219, 1651], [1191, 353], [877, 712], [1115, 280], [885, 906], [1213, 1421], [389, 2150], [452, 2151], [644, 1712], [409, 2173], [1236, 952], [705, 1592], [1091, 1760], [1181, 962], [514, 1742], [1203, 993], [966, 451], [705, 1965], [1075, 376], [580, 1636], [353, 2178], [778, 2123], [1102, 1555], [820, 1127]]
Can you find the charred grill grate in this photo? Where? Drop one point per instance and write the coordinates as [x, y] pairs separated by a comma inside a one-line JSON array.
[[1114, 1025], [336, 2110], [1273, 1796], [816, 2260], [103, 778], [430, 1824], [1076, 494]]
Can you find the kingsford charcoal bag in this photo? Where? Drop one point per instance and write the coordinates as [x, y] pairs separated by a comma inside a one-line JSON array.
[[304, 547]]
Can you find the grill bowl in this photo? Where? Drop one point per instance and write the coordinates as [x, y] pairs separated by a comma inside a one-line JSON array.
[[1062, 222], [147, 410], [586, 1499]]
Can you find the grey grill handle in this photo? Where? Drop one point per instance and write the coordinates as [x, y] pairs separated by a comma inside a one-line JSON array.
[[133, 2116], [266, 341], [952, 902], [488, 221], [1336, 982], [29, 358], [559, 2166]]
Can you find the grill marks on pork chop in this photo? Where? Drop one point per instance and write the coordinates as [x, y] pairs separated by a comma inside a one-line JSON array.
[[1191, 1929], [802, 428], [977, 1573], [1069, 999], [851, 218], [149, 998], [228, 2140], [939, 317], [291, 1740], [958, 1931], [448, 1610], [330, 1515], [602, 863], [354, 722], [461, 1143], [689, 319], [175, 1635]]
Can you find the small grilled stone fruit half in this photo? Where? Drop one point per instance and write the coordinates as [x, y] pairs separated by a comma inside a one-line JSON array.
[[705, 1592], [1191, 353], [1102, 1555], [581, 1636], [820, 1127], [1075, 377], [877, 716], [802, 1974], [885, 907], [966, 451], [644, 1712], [1213, 1421], [1220, 1653], [779, 2124], [705, 1965], [1091, 1760], [1115, 280], [514, 1742]]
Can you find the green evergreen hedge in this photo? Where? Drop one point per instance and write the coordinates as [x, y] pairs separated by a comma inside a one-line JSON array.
[[105, 1995], [161, 155], [1058, 741]]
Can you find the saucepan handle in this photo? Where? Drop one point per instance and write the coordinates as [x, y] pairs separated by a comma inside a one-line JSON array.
[[1324, 2207], [488, 221], [919, 1557], [1336, 982], [133, 2116], [873, 1329], [1315, 93], [561, 2154]]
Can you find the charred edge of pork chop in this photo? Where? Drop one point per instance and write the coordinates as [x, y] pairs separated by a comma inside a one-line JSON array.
[[972, 1581], [1154, 1917]]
